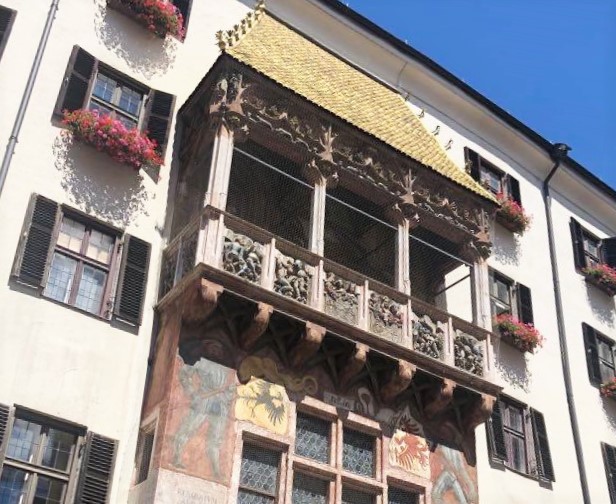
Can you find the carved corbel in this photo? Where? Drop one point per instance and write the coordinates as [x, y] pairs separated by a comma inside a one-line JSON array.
[[438, 398], [308, 345], [201, 300], [398, 381], [477, 413], [226, 104], [319, 171], [353, 366], [257, 326]]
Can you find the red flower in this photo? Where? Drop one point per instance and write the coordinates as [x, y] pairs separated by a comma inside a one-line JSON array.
[[604, 274], [513, 213], [159, 16], [525, 336], [608, 389]]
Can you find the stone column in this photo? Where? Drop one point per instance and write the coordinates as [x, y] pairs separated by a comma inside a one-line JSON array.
[[481, 294], [220, 168]]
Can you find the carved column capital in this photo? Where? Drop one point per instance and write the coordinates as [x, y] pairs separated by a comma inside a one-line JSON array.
[[257, 326], [201, 300], [354, 364], [478, 412], [226, 104], [398, 381], [307, 346], [317, 171]]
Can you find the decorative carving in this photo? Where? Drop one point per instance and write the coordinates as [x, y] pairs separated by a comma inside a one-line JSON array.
[[386, 317], [167, 276], [226, 103], [189, 251], [307, 346], [438, 398], [259, 367], [354, 364], [468, 353], [227, 39], [398, 381], [242, 256], [257, 327], [293, 278], [478, 412], [201, 300], [341, 298], [428, 337]]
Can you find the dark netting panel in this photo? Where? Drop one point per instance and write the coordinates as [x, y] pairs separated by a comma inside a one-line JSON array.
[[312, 438], [258, 475], [358, 237], [358, 452], [266, 189], [399, 496], [352, 496], [309, 490]]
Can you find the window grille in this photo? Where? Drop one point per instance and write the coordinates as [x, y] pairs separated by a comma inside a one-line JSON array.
[[358, 450], [312, 438], [258, 475]]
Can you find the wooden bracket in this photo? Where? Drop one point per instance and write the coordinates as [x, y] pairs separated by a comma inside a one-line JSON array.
[[308, 345], [257, 326], [398, 381], [354, 364], [201, 300], [438, 398], [477, 413]]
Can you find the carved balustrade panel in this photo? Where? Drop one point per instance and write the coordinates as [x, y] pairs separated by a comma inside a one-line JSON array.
[[293, 278], [386, 317], [243, 256], [341, 298], [167, 276], [468, 353], [188, 250], [429, 337]]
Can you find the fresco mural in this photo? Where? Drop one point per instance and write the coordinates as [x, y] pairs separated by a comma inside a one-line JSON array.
[[410, 452], [455, 482], [264, 404]]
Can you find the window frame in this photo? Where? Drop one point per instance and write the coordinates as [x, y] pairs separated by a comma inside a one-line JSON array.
[[511, 432], [589, 258], [494, 276], [592, 340], [5, 34]]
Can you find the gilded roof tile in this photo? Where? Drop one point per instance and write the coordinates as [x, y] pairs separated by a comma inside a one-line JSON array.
[[293, 61]]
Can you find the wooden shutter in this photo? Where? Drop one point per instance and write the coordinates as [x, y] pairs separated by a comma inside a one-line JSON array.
[[592, 354], [608, 249], [7, 16], [496, 434], [36, 239], [96, 470], [578, 244], [525, 304], [514, 189], [184, 7], [80, 72], [158, 118], [6, 416], [133, 278], [609, 459], [545, 469], [472, 158]]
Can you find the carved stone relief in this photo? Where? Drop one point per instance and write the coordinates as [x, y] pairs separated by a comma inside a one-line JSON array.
[[341, 298], [167, 276], [293, 278], [468, 353], [189, 251], [428, 337], [242, 256], [386, 317]]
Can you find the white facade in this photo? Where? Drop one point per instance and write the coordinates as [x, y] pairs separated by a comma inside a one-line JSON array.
[[66, 364]]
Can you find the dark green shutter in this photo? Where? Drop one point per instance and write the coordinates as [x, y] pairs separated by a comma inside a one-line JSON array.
[[472, 160], [609, 459], [7, 16], [96, 471], [184, 7], [133, 279], [545, 469], [496, 434], [75, 88], [608, 249], [514, 190], [525, 304], [36, 240], [578, 244], [592, 354], [158, 121]]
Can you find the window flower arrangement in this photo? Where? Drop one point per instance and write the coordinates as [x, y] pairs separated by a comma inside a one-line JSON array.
[[161, 17], [512, 215], [523, 336], [608, 389], [109, 135], [603, 276]]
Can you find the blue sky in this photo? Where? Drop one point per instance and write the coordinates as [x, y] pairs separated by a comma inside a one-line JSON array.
[[549, 63]]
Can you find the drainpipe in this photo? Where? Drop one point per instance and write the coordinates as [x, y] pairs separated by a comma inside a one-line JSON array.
[[25, 99], [559, 152]]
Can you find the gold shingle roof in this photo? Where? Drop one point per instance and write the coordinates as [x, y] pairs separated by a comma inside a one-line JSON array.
[[293, 61]]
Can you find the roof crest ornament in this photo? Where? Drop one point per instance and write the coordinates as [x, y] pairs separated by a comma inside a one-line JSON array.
[[230, 38]]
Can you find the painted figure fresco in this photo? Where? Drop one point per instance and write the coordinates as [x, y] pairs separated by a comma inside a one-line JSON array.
[[455, 481]]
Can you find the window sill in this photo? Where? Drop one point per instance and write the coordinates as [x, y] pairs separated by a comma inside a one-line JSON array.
[[498, 464], [510, 225], [123, 8], [594, 281]]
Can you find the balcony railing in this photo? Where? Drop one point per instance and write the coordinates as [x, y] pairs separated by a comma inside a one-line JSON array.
[[241, 251]]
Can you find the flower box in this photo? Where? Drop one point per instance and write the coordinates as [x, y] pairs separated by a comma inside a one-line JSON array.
[[106, 134], [512, 216], [160, 17], [608, 389], [601, 276], [525, 337]]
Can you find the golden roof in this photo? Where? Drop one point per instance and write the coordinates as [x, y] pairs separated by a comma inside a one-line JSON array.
[[285, 56]]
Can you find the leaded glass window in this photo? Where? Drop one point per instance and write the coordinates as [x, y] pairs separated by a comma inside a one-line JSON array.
[[358, 452], [353, 496], [258, 475], [309, 490], [400, 496], [312, 438]]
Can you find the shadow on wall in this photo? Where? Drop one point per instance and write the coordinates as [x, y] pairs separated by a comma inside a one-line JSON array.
[[506, 246], [601, 305], [142, 51], [609, 411], [98, 185], [511, 366]]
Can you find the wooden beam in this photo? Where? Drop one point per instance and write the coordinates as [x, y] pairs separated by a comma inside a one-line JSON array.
[[307, 346], [354, 364], [438, 398], [257, 326], [201, 300], [478, 412], [398, 381]]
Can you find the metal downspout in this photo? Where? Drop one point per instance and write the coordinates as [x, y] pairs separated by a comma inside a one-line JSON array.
[[25, 99], [558, 153]]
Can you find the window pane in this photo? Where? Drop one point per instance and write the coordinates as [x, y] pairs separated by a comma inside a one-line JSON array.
[[358, 452], [71, 234], [312, 438], [605, 350], [246, 497], [104, 87], [48, 491], [607, 372], [25, 440], [514, 419], [502, 291], [58, 449], [399, 496], [591, 246], [126, 121], [100, 246], [259, 469], [518, 453], [102, 110], [60, 278], [352, 496], [13, 485], [91, 288], [130, 101], [308, 490]]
